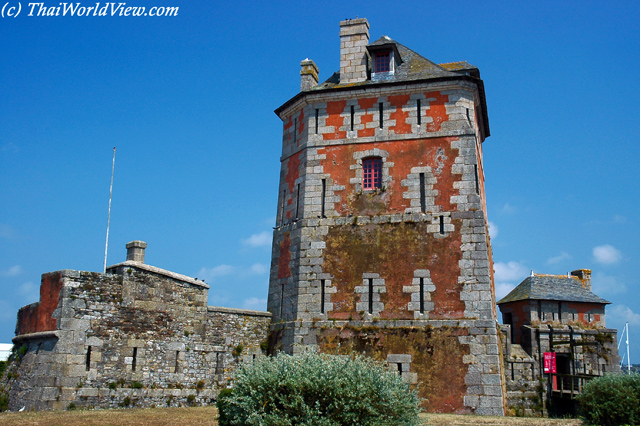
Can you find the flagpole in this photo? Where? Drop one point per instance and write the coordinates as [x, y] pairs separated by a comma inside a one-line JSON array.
[[106, 244]]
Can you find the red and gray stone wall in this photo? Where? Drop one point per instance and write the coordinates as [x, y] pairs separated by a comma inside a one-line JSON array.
[[336, 245]]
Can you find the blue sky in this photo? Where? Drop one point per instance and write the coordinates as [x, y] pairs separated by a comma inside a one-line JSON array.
[[188, 101]]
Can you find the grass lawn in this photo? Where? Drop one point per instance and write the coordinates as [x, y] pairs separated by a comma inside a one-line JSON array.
[[205, 416]]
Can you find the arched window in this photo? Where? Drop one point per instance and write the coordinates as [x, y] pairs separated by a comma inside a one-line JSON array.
[[372, 173]]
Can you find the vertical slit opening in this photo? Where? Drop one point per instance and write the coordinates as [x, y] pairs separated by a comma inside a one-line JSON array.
[[353, 114], [284, 196], [418, 112], [282, 301], [322, 197], [298, 201], [422, 295], [177, 366], [380, 112], [87, 360], [317, 113], [475, 169], [399, 368], [134, 359], [322, 296], [295, 130], [442, 225], [423, 197], [370, 295]]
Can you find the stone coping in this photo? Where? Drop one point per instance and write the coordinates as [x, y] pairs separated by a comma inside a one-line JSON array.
[[36, 335], [159, 271], [238, 311]]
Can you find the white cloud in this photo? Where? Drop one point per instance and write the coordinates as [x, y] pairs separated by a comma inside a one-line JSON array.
[[508, 209], [259, 268], [559, 258], [606, 254], [12, 272], [493, 230], [208, 274], [621, 314], [507, 276], [262, 239], [603, 284], [255, 304], [6, 231], [503, 289], [509, 271], [10, 147], [618, 218], [29, 291]]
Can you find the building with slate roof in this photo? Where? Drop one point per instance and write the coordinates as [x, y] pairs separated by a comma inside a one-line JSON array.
[[381, 243], [561, 316]]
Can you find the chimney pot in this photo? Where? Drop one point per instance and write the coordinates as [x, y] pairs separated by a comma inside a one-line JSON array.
[[354, 38], [584, 275], [135, 251]]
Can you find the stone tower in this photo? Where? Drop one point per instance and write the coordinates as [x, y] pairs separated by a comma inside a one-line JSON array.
[[381, 244]]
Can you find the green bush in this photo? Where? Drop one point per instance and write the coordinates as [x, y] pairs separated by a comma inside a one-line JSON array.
[[611, 400], [319, 390]]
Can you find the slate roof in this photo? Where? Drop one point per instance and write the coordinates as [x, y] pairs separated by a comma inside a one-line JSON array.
[[552, 287], [412, 67]]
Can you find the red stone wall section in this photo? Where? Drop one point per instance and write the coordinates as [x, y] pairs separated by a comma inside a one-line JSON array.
[[435, 153], [38, 316]]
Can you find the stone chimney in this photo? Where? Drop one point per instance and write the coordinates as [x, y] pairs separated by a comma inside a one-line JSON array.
[[354, 37], [308, 75], [135, 251], [583, 275]]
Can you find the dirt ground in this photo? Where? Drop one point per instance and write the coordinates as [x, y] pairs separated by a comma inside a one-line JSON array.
[[205, 416]]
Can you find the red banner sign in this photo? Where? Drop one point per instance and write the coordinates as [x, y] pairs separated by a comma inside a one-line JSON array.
[[550, 362]]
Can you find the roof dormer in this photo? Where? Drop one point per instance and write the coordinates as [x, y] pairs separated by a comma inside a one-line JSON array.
[[385, 58]]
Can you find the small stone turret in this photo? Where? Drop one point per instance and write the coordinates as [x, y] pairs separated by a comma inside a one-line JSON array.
[[135, 251], [308, 75]]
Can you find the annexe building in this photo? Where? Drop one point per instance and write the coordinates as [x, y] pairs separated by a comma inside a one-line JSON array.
[[557, 320]]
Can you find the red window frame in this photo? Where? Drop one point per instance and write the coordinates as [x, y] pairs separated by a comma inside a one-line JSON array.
[[383, 62], [372, 173]]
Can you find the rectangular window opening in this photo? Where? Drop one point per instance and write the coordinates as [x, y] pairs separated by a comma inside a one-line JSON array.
[[88, 359], [353, 115], [399, 369], [372, 173], [423, 196], [219, 363], [322, 198], [298, 201], [317, 113], [418, 112], [381, 111], [322, 296], [422, 295], [383, 62], [370, 295], [475, 169], [134, 359], [177, 366], [442, 225]]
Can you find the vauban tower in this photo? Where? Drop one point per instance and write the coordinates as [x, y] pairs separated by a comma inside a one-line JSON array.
[[381, 244]]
